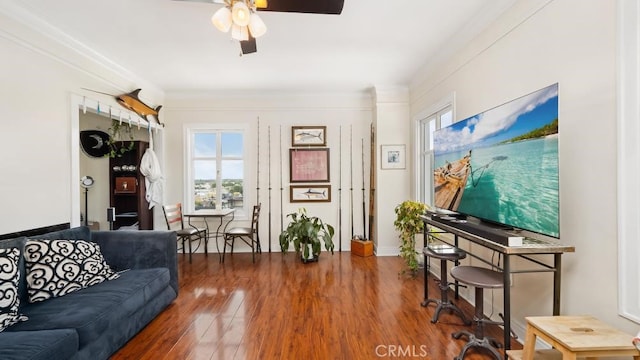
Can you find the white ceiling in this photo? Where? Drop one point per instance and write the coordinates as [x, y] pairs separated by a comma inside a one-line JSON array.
[[173, 45]]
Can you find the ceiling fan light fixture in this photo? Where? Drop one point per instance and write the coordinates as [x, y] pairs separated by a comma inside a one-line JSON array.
[[240, 13], [257, 26], [222, 19], [240, 33]]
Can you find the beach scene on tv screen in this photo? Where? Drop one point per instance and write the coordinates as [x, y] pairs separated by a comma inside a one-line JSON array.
[[502, 165]]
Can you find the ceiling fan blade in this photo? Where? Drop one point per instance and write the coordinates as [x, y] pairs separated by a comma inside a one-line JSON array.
[[333, 7], [205, 1], [249, 46]]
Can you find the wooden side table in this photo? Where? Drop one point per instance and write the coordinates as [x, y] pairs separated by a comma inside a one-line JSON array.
[[577, 336]]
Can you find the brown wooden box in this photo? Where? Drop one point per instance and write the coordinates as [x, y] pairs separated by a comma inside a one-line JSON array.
[[126, 185], [362, 248]]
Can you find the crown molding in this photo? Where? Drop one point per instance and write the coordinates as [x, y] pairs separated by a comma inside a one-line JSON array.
[[22, 27], [487, 28], [277, 101], [391, 94]]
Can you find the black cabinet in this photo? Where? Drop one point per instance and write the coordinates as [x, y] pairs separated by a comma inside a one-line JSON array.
[[128, 192]]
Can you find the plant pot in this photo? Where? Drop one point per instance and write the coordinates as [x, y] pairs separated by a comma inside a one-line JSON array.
[[306, 261], [310, 258]]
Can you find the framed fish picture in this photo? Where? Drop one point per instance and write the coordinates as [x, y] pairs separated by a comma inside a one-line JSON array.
[[308, 136], [310, 193], [309, 165]]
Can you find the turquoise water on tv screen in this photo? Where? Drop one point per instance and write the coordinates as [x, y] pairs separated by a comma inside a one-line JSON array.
[[515, 184]]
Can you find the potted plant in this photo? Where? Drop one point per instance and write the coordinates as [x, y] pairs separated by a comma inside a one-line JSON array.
[[117, 144], [409, 223], [306, 234]]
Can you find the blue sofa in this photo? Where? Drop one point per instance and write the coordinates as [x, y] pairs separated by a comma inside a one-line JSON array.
[[93, 323]]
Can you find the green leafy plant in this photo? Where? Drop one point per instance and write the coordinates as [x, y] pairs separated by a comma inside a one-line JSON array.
[[306, 234], [117, 143], [409, 223]]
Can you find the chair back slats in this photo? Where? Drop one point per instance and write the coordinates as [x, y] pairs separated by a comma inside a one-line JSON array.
[[249, 236], [254, 219], [173, 215]]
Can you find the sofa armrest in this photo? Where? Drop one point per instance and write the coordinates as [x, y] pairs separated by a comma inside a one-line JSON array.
[[141, 249]]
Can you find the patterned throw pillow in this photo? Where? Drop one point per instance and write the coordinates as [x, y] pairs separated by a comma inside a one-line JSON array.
[[59, 267], [9, 299]]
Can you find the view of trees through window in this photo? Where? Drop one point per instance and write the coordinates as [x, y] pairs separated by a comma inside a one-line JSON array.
[[218, 170]]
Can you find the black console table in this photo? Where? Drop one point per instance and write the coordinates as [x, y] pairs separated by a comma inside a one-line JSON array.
[[467, 230]]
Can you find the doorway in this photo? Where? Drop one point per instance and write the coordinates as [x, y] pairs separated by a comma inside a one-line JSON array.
[[86, 115]]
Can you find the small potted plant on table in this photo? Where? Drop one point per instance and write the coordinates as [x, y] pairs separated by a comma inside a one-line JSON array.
[[306, 233]]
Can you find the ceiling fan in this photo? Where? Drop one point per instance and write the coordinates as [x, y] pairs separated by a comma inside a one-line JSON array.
[[240, 16]]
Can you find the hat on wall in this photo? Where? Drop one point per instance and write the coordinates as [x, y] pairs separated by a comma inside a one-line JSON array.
[[94, 142]]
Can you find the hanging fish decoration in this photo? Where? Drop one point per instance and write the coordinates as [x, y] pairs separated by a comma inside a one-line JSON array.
[[132, 102]]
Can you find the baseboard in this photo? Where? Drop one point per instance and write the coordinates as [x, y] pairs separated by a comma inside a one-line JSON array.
[[386, 250]]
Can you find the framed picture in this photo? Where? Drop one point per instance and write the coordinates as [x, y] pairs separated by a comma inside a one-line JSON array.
[[310, 193], [393, 157], [308, 136], [309, 165]]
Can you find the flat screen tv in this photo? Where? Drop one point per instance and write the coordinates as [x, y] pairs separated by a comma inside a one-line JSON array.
[[501, 165]]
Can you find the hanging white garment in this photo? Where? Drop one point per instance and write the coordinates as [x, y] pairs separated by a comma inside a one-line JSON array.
[[150, 168]]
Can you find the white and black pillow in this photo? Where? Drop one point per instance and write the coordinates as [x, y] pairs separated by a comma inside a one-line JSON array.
[[9, 278], [58, 267]]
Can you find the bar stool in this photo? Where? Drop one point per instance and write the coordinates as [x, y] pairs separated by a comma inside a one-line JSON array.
[[480, 278], [444, 253]]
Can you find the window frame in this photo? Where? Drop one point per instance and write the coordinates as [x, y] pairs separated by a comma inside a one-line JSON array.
[[190, 131], [423, 176]]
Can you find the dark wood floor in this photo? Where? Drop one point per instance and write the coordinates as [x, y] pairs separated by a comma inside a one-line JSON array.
[[343, 307]]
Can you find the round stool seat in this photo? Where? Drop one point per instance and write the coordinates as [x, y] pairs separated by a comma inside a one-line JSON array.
[[478, 276], [444, 252]]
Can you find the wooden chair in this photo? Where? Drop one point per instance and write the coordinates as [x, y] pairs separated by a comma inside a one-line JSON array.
[[247, 234], [175, 222]]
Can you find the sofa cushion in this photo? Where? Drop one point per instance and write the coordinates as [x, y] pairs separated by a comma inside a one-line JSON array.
[[9, 279], [39, 345], [18, 243], [93, 310], [58, 267]]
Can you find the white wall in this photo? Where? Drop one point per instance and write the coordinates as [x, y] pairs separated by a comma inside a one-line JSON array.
[[40, 74], [533, 45], [392, 185], [98, 169], [278, 113]]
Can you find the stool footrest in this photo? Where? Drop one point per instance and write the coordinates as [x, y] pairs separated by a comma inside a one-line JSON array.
[[488, 321], [458, 285], [445, 305]]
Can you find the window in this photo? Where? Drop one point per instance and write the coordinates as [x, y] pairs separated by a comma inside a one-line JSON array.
[[426, 128], [216, 169]]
